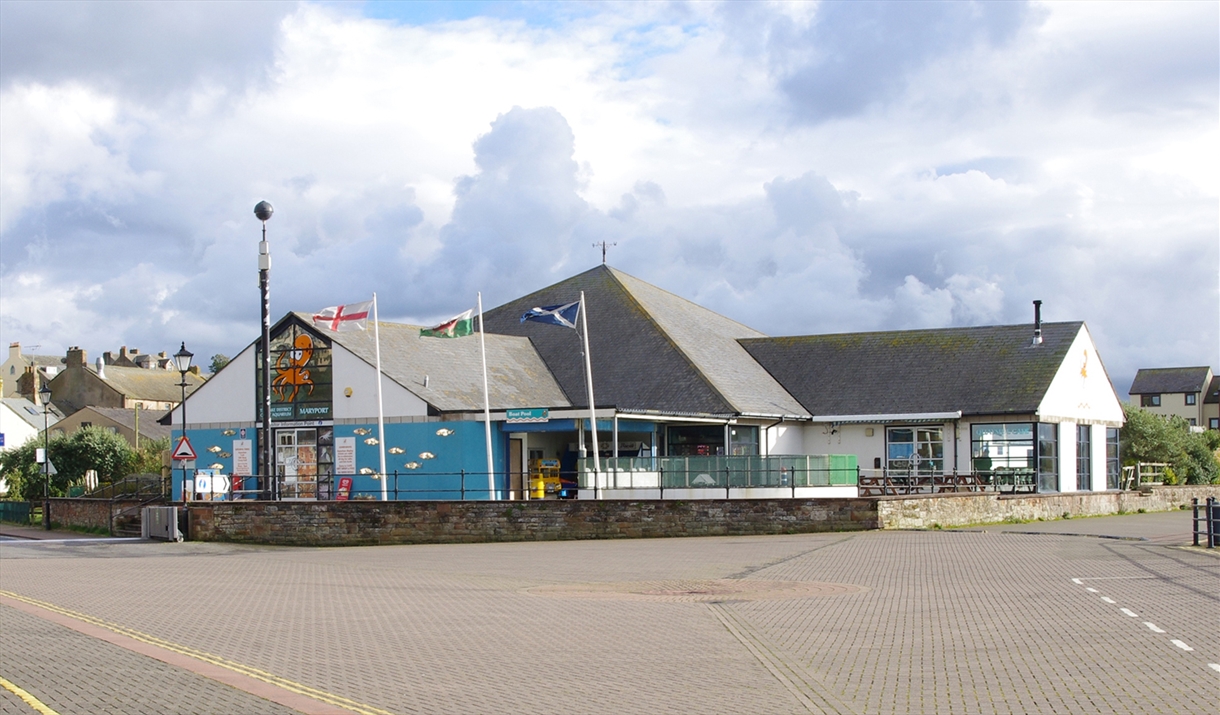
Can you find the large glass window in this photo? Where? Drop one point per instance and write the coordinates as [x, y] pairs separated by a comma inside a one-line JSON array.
[[1005, 451], [1084, 457], [695, 441], [1150, 400], [1113, 466], [1048, 457], [743, 440], [915, 450], [300, 376]]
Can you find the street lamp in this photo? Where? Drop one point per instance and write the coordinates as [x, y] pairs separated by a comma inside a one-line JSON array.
[[263, 211], [44, 393], [182, 359]]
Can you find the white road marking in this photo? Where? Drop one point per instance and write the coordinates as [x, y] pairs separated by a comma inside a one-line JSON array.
[[1091, 590], [1152, 627], [1214, 666], [1107, 599], [1078, 582], [1180, 644], [1129, 612]]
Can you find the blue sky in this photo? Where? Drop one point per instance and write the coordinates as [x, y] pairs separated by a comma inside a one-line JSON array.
[[800, 167]]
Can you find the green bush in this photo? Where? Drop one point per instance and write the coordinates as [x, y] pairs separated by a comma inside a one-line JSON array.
[[72, 455], [1148, 437]]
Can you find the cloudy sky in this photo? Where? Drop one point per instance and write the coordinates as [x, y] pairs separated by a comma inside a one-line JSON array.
[[800, 167]]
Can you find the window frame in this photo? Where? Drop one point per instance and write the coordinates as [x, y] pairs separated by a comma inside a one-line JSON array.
[[930, 450], [1084, 458], [1150, 400], [1192, 399]]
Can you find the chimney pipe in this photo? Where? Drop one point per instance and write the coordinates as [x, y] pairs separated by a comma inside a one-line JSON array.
[[1037, 323], [101, 368]]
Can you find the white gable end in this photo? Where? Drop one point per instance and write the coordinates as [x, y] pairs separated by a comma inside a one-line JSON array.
[[1081, 390], [352, 372]]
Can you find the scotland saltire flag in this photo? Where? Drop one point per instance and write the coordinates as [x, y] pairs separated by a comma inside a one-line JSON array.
[[564, 315]]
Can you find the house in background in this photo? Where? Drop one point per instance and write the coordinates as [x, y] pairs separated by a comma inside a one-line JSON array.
[[1211, 404], [1174, 391], [137, 426], [21, 419], [43, 368], [134, 358], [80, 385]]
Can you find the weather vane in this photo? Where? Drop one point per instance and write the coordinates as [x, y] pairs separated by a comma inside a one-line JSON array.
[[603, 245]]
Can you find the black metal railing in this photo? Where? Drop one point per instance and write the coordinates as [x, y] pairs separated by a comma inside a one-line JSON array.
[[1209, 519]]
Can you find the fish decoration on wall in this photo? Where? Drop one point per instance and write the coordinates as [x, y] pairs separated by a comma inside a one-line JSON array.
[[218, 465], [427, 455], [412, 465], [396, 450], [229, 432], [444, 432], [372, 441], [225, 455], [366, 470], [214, 449], [362, 431]]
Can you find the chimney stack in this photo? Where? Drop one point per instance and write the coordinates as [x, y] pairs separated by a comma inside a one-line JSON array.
[[76, 358], [101, 368], [1037, 323]]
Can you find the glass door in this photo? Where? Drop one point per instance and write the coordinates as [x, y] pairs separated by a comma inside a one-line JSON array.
[[296, 462]]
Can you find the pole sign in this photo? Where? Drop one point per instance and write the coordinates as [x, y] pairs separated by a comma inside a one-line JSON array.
[[540, 414], [184, 451]]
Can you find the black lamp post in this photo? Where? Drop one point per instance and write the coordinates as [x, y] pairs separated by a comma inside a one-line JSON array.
[[182, 359], [263, 211], [44, 393]]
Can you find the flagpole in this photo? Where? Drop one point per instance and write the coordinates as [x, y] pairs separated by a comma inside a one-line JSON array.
[[380, 407], [597, 462], [491, 482]]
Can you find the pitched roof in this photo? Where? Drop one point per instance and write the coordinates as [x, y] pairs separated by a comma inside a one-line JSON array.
[[139, 383], [516, 375], [1213, 391], [1169, 379], [30, 412], [149, 427], [650, 350], [986, 370]]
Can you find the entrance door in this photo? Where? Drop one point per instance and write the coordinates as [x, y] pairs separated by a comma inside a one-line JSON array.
[[296, 462], [515, 486]]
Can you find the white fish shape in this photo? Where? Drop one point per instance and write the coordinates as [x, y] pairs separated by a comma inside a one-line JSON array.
[[427, 455], [412, 465], [372, 440], [444, 432]]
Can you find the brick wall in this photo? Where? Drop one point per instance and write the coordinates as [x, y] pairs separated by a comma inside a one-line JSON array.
[[86, 513], [352, 523], [948, 510]]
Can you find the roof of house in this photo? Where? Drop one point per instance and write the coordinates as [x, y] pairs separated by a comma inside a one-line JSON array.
[[1157, 380], [516, 375], [984, 370], [32, 413], [1213, 391], [149, 427], [139, 383], [650, 350]]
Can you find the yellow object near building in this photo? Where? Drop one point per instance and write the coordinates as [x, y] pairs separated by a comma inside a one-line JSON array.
[[544, 479]]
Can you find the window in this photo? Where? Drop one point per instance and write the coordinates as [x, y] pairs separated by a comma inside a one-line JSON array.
[[695, 441], [1191, 398], [1048, 457], [1084, 457], [1150, 400], [1213, 422], [743, 440], [916, 450], [1002, 449], [1191, 420], [1113, 469]]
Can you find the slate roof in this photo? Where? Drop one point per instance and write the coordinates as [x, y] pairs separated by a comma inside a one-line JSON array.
[[139, 383], [1213, 392], [651, 350], [1151, 381], [985, 370], [516, 375], [31, 413], [149, 427]]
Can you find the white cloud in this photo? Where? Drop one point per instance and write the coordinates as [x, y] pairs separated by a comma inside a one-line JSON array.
[[979, 158]]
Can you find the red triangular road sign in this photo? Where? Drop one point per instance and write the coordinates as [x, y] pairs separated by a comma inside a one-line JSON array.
[[184, 449]]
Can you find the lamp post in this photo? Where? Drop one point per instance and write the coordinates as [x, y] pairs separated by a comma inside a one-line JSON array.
[[182, 359], [44, 392], [263, 211]]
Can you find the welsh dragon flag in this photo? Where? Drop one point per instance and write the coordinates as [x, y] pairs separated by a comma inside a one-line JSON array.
[[456, 327]]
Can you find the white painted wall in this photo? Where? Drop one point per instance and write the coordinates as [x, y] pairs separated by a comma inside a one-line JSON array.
[[227, 396], [1081, 390], [352, 371], [15, 429], [824, 438], [784, 438]]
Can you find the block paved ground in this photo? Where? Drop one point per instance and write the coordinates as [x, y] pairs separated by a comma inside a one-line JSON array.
[[987, 620]]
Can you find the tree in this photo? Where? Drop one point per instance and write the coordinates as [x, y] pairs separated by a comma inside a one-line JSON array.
[[218, 361], [1148, 437], [72, 455]]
